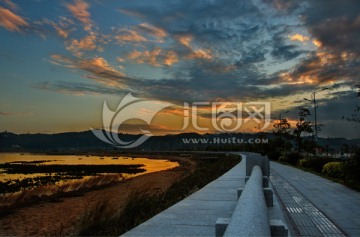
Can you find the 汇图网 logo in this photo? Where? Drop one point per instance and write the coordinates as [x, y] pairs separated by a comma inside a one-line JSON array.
[[224, 116]]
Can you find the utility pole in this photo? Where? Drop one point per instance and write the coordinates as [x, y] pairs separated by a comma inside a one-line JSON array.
[[313, 97]]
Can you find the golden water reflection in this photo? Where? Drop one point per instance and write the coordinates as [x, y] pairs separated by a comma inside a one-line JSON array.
[[151, 165]]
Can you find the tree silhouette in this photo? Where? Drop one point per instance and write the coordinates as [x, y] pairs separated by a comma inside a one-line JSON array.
[[282, 132], [355, 116], [282, 128], [302, 126]]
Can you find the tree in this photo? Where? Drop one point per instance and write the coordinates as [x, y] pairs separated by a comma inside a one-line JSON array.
[[282, 128], [282, 132], [355, 116], [302, 126]]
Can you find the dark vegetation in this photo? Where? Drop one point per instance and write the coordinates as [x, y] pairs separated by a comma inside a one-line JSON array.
[[86, 143], [345, 171], [77, 170], [142, 206]]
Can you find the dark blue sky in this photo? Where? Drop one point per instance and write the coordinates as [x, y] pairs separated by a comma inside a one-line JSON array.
[[59, 60]]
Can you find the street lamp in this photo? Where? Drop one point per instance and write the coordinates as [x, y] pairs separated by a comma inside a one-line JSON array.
[[313, 99]]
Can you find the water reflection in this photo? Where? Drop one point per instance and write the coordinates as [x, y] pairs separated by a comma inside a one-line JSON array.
[[150, 165]]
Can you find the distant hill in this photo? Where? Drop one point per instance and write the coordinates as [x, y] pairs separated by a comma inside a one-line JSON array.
[[185, 141]]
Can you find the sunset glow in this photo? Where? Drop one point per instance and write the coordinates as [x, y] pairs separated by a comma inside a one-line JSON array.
[[60, 60]]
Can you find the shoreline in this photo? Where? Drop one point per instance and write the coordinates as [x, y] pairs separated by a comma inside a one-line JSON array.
[[64, 215]]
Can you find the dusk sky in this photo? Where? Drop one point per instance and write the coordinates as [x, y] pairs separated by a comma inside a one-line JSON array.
[[60, 60]]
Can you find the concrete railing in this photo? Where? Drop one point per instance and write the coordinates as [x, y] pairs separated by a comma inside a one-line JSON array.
[[250, 215]]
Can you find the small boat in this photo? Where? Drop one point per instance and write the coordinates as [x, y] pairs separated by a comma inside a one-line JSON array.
[[101, 158], [115, 158], [80, 158]]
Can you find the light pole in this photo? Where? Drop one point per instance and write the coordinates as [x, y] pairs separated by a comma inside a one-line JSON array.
[[313, 99]]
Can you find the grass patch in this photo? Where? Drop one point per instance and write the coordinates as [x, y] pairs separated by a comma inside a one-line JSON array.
[[141, 207]]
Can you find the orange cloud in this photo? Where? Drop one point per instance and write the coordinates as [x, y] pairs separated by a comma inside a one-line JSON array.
[[154, 57], [152, 30], [134, 54], [198, 53], [98, 65], [317, 43], [302, 79], [185, 40], [201, 53], [149, 57], [86, 43], [95, 65], [171, 58], [61, 32], [11, 21], [298, 37], [80, 11], [130, 36]]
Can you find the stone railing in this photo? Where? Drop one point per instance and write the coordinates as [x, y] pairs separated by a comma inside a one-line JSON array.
[[250, 217]]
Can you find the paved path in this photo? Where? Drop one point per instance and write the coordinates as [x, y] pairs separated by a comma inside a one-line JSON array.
[[197, 214], [314, 201]]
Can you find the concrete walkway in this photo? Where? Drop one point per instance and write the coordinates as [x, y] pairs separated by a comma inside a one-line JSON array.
[[197, 214], [339, 203]]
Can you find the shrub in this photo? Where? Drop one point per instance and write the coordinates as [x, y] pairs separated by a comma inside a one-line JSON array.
[[283, 159], [333, 169], [274, 154], [316, 164], [293, 158], [303, 163], [352, 170]]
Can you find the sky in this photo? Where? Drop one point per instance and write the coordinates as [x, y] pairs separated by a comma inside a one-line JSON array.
[[60, 60]]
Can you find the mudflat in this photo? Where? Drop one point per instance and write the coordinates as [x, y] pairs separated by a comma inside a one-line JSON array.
[[66, 216]]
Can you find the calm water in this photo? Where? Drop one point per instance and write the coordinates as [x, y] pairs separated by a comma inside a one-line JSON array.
[[151, 165]]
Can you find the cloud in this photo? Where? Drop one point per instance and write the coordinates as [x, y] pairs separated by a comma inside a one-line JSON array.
[[100, 70], [206, 54], [120, 59], [126, 36], [11, 5], [77, 89], [156, 32], [170, 58], [149, 57], [156, 57], [282, 51], [11, 21], [80, 11], [185, 40], [201, 53], [299, 37], [15, 113], [131, 13], [85, 44], [336, 26]]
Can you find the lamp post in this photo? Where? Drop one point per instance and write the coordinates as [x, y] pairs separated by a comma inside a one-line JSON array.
[[313, 99]]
